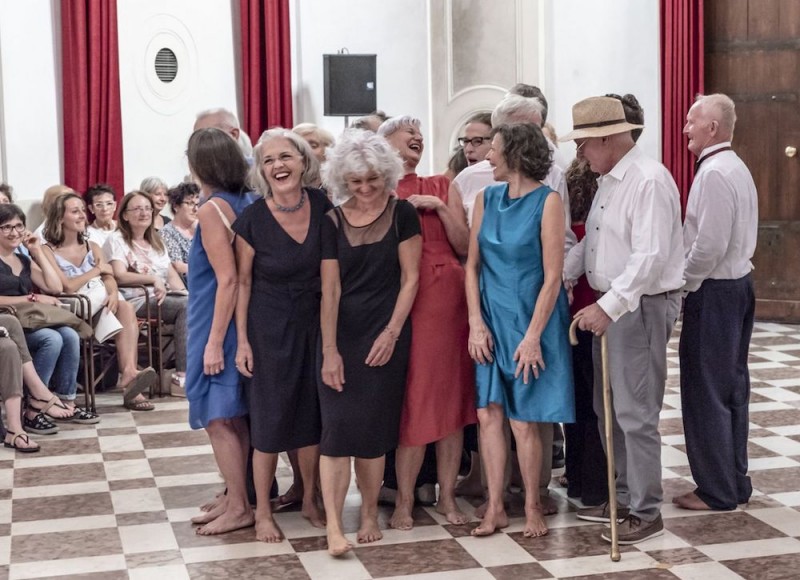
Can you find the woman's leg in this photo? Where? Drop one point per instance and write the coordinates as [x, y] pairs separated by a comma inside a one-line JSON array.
[[45, 347], [369, 473], [493, 454], [263, 473], [225, 436], [529, 453], [11, 391], [39, 391], [335, 479], [13, 407], [295, 492], [65, 376], [448, 460], [308, 463], [127, 343], [408, 461]]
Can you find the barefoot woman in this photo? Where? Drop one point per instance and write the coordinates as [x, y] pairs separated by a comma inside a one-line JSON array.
[[518, 316], [371, 248]]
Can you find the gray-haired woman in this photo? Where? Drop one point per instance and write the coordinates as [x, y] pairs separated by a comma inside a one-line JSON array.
[[157, 188]]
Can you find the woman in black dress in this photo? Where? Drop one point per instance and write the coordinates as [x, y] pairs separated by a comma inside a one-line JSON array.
[[371, 247], [277, 316]]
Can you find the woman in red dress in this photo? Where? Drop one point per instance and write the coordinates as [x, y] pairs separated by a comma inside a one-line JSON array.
[[440, 389]]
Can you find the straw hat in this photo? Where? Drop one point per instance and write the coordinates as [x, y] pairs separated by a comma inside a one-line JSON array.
[[598, 117]]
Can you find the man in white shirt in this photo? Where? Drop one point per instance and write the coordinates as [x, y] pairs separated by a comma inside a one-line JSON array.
[[632, 256], [719, 238]]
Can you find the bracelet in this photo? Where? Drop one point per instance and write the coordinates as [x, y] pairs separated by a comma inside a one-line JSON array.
[[391, 333], [32, 297]]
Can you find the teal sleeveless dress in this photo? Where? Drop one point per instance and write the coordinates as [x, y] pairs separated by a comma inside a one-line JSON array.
[[511, 278]]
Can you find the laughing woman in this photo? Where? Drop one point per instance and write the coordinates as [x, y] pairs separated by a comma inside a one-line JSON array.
[[371, 248], [79, 263]]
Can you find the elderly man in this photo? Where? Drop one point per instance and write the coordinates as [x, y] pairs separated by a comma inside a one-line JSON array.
[[719, 238], [224, 120], [633, 258]]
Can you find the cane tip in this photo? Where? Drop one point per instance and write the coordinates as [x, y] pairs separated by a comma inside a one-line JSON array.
[[615, 557]]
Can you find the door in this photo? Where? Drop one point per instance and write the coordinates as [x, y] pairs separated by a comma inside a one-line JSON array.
[[753, 55]]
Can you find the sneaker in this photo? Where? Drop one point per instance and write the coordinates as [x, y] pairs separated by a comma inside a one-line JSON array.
[[39, 425], [633, 530], [599, 513]]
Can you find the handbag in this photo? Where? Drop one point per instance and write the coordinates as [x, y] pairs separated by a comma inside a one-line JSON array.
[[35, 316]]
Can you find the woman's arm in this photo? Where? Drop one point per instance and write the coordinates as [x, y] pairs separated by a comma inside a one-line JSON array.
[[244, 263], [180, 267], [217, 244], [409, 253], [529, 352], [452, 215], [70, 285], [43, 274], [175, 281], [332, 365], [480, 339]]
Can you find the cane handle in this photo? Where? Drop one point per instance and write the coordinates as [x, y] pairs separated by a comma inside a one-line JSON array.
[[573, 337]]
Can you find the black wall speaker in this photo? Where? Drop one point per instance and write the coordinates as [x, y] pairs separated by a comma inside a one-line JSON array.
[[349, 84]]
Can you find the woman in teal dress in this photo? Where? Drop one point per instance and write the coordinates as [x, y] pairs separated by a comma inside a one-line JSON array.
[[518, 316]]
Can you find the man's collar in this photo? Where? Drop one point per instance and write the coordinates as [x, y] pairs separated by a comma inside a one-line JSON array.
[[708, 150], [619, 170]]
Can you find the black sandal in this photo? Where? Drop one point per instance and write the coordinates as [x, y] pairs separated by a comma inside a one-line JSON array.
[[39, 425], [24, 436], [84, 417]]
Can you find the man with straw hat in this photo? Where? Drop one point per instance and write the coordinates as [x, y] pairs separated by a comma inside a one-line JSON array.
[[632, 256]]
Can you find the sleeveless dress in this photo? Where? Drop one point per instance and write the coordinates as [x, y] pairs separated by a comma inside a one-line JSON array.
[[210, 396], [283, 328], [440, 389], [364, 419], [511, 277]]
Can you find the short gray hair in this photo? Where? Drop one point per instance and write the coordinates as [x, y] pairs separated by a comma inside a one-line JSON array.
[[394, 124], [229, 120], [516, 109], [310, 163], [358, 152], [150, 184], [325, 137], [722, 108]]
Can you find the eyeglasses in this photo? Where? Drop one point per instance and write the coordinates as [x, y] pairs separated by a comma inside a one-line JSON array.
[[190, 204], [475, 141], [104, 204], [7, 229], [140, 209], [580, 146]]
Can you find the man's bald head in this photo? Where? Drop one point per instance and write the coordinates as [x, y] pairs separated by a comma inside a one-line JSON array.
[[221, 119]]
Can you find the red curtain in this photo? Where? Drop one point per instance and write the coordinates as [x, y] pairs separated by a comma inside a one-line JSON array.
[[90, 84], [682, 64], [266, 65]]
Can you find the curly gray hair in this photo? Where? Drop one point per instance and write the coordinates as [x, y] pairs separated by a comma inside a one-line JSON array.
[[359, 152]]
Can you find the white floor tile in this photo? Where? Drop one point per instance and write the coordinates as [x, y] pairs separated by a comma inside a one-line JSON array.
[[496, 550], [779, 444], [750, 549], [129, 501], [768, 406], [772, 327], [74, 566], [183, 514], [173, 572], [791, 498], [179, 451], [55, 460], [671, 457], [598, 564], [197, 479], [294, 525], [117, 420], [417, 534], [235, 551], [759, 463], [147, 538], [117, 443], [165, 428], [785, 519], [67, 435], [321, 566], [54, 490], [64, 525], [784, 382], [765, 365], [777, 394], [5, 511], [128, 469], [777, 356], [704, 571], [5, 550], [786, 430], [666, 541], [470, 574]]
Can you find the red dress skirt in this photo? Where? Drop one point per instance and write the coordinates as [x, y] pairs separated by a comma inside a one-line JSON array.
[[440, 389]]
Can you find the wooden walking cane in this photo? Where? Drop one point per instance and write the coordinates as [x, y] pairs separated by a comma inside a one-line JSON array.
[[608, 419]]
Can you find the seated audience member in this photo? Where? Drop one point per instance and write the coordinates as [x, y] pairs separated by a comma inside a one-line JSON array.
[[42, 404], [137, 256], [82, 267], [371, 247], [179, 233], [11, 390], [50, 194], [6, 192], [55, 350], [101, 201], [157, 188]]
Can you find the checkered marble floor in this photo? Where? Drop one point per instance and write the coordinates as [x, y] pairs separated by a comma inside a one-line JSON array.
[[114, 501]]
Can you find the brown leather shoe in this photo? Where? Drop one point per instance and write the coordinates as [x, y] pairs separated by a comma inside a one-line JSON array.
[[599, 513], [633, 530]]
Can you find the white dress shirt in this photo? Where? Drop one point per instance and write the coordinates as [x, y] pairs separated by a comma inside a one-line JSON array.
[[719, 235], [473, 179], [633, 245]]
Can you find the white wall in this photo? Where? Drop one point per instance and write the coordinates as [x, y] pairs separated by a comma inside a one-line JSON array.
[[395, 30], [157, 118], [594, 47], [31, 98]]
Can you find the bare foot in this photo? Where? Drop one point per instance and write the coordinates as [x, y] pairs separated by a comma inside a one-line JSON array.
[[535, 527], [219, 506], [480, 511], [228, 522], [548, 505], [369, 530], [402, 518], [678, 498], [267, 530], [207, 507], [338, 545], [449, 509], [691, 501], [493, 520], [291, 497], [313, 514]]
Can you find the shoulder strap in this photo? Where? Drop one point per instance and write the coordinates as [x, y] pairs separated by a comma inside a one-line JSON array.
[[222, 215]]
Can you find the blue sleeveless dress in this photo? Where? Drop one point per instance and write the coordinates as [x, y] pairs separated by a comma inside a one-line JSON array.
[[218, 396], [511, 278]]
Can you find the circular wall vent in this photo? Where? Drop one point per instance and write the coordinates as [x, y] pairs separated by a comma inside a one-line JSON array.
[[166, 65]]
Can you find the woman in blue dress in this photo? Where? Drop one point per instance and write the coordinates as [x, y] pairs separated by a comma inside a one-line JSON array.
[[213, 384], [518, 316]]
